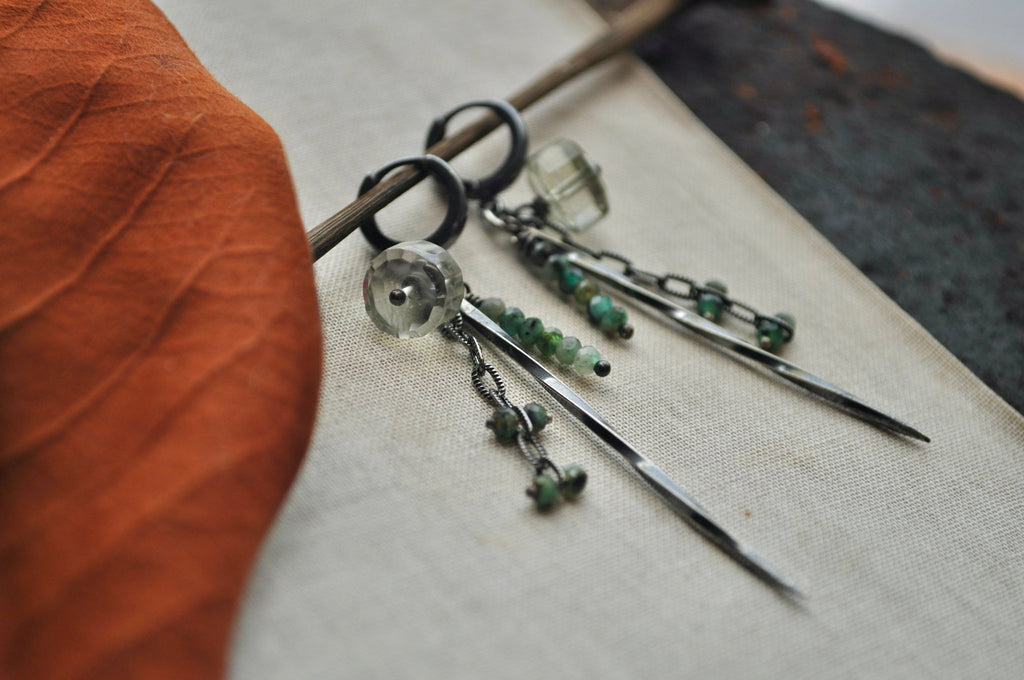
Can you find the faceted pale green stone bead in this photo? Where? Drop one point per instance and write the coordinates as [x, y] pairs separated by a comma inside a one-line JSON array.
[[585, 360], [569, 279], [548, 342], [597, 306], [574, 480], [511, 320], [505, 423], [493, 308], [538, 415], [530, 331], [584, 291], [567, 349], [613, 319], [569, 183], [544, 492]]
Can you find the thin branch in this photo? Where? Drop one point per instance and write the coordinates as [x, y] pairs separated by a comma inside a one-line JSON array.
[[628, 27]]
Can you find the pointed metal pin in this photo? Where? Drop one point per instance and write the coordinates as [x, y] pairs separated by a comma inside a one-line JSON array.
[[681, 502], [836, 396]]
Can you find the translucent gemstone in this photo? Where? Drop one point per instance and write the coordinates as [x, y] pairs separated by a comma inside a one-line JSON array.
[[493, 308], [538, 415], [505, 424], [597, 306], [574, 479], [544, 492], [710, 306], [769, 335], [613, 319], [569, 279], [511, 320], [584, 291], [530, 331], [571, 185], [567, 349], [585, 360], [554, 266], [548, 342], [412, 288]]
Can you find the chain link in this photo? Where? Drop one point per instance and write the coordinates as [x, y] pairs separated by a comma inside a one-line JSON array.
[[526, 438], [528, 215]]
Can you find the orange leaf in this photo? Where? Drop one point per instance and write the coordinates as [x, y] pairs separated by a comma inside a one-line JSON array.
[[159, 345]]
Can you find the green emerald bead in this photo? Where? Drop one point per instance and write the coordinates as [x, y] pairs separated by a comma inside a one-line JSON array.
[[511, 320], [548, 342], [505, 423], [538, 415], [530, 331], [574, 480], [584, 291], [569, 279], [715, 284], [585, 360], [493, 308], [791, 320], [769, 335], [544, 492], [567, 349], [554, 266], [710, 306], [597, 306], [613, 319]]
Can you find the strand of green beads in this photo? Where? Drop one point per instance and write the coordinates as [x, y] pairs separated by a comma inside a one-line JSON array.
[[548, 341], [571, 281]]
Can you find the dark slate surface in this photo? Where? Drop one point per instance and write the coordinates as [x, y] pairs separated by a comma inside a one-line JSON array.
[[913, 169]]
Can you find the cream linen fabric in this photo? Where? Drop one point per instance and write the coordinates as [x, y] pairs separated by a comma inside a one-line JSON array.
[[407, 548]]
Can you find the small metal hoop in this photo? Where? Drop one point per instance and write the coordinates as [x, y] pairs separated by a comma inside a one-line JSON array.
[[489, 186], [454, 219]]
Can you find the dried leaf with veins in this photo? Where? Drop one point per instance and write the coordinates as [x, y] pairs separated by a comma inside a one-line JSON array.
[[159, 345]]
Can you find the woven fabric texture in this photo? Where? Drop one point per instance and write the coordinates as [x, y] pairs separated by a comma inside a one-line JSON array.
[[407, 547]]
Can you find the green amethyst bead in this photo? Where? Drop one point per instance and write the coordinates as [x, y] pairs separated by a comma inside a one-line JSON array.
[[530, 331], [569, 279], [613, 319], [597, 306], [511, 320], [585, 360], [567, 349], [493, 308], [548, 342], [505, 423], [544, 492], [538, 415], [574, 480], [584, 291]]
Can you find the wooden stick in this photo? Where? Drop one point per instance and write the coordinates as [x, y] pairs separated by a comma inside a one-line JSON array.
[[633, 23]]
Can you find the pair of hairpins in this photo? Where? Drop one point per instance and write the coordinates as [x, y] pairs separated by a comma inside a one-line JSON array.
[[414, 288], [411, 289]]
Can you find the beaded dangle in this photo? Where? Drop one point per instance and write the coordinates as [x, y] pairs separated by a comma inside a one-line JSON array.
[[413, 288], [570, 199], [531, 334]]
